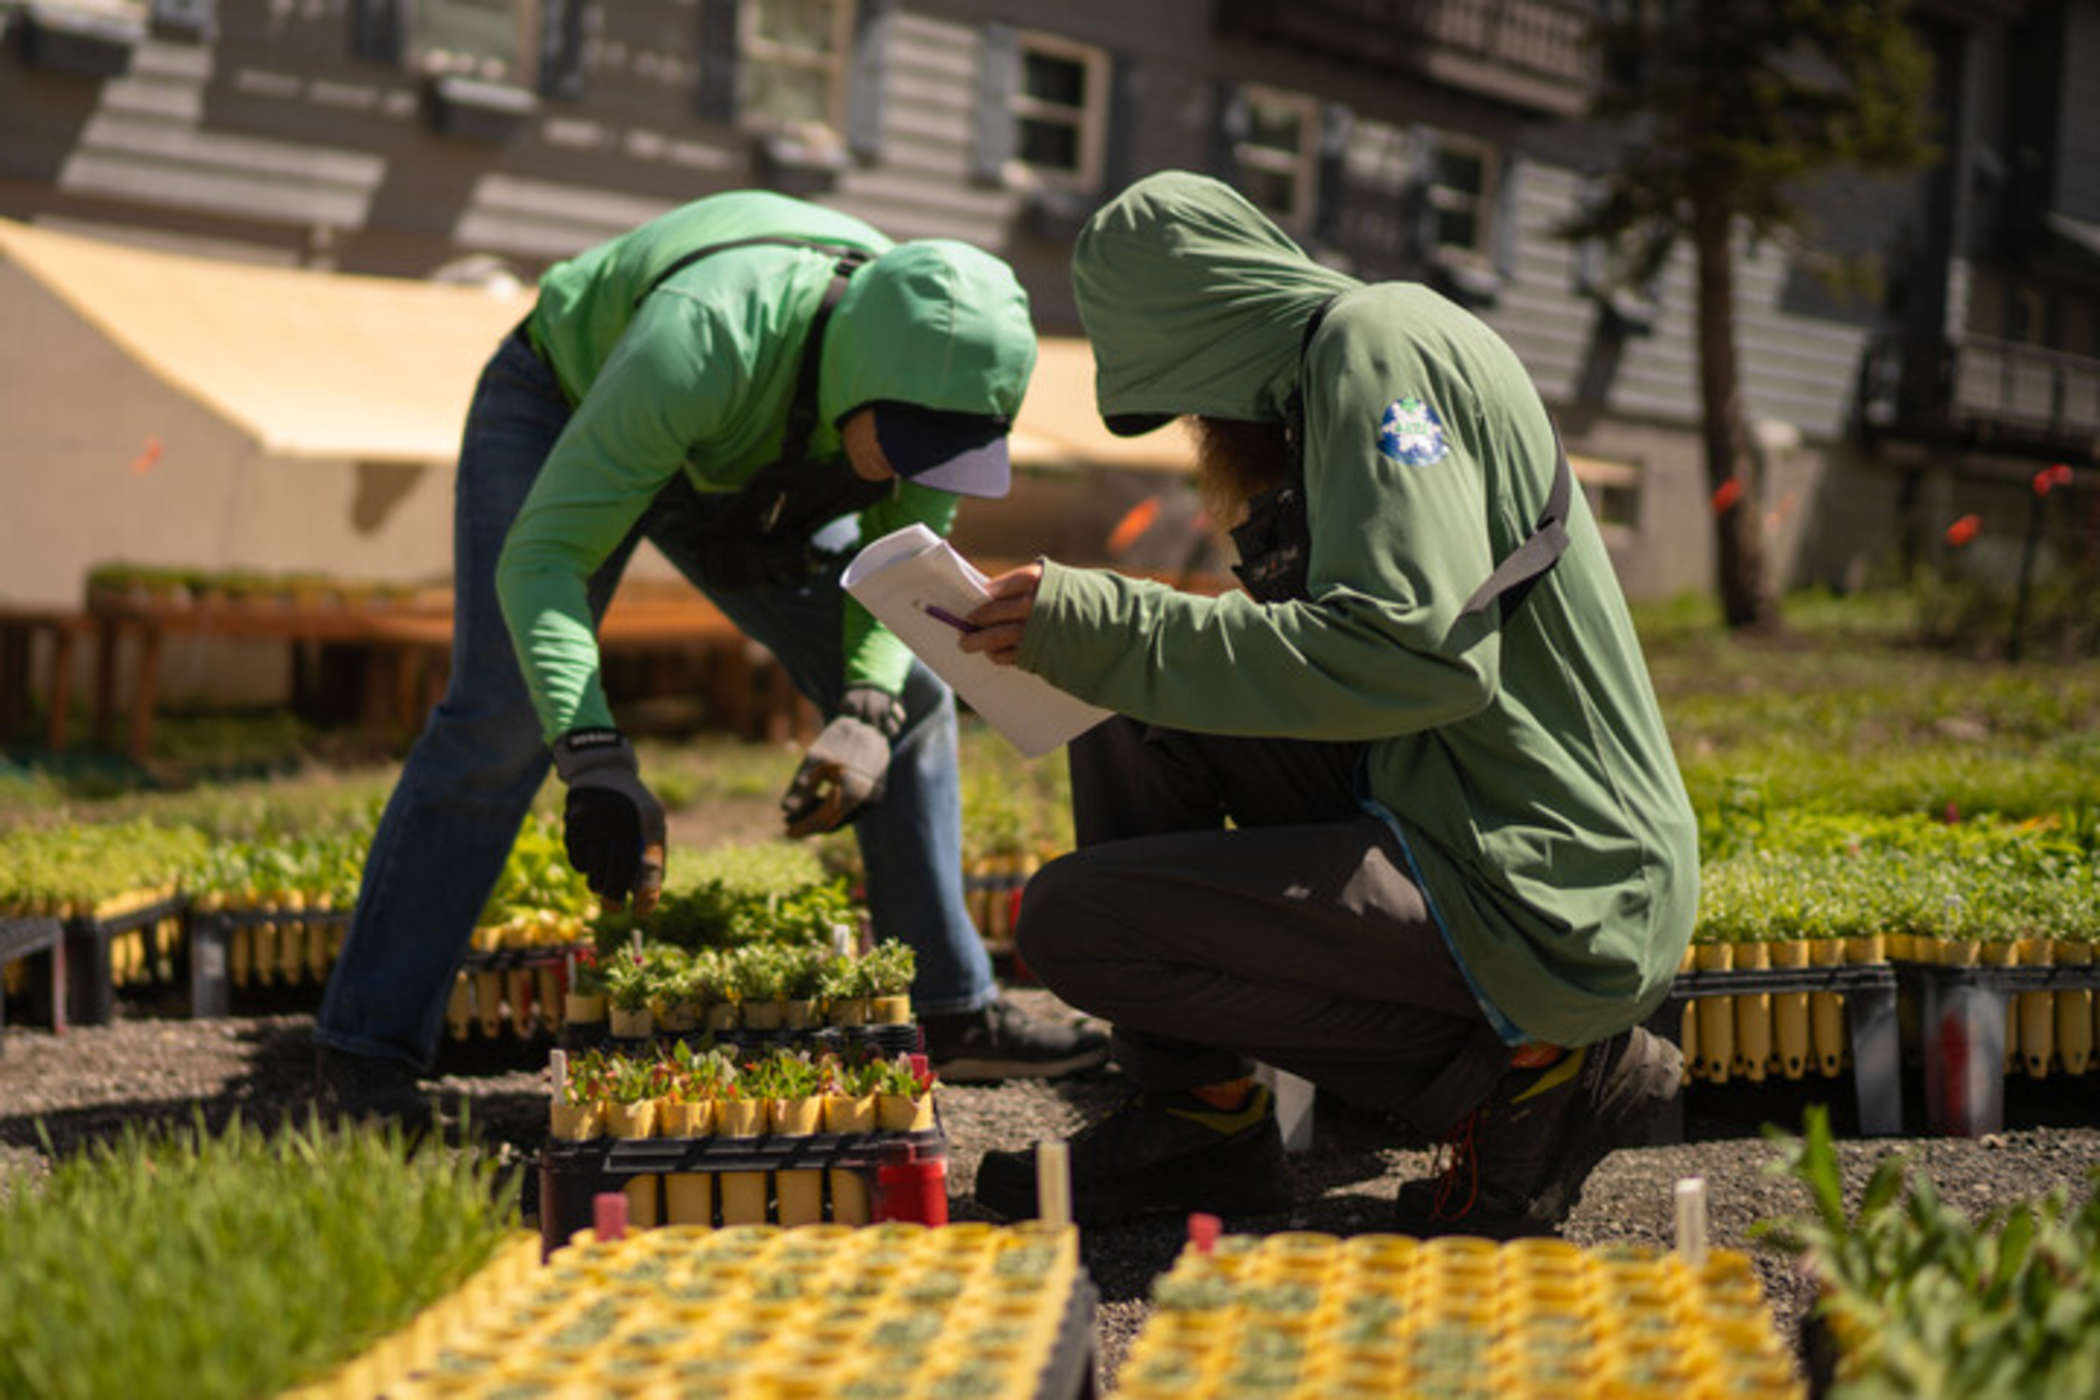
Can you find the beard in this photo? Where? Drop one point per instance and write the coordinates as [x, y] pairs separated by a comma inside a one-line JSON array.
[[1237, 460]]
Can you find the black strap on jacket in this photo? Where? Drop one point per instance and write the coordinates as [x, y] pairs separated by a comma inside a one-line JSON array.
[[1513, 578], [791, 496], [1275, 541]]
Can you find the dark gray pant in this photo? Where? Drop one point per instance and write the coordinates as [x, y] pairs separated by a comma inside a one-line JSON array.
[[1295, 936]]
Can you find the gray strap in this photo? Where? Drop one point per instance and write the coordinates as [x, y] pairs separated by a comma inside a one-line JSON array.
[[1526, 564]]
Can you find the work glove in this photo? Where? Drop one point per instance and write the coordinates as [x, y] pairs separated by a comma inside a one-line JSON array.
[[612, 827], [844, 769]]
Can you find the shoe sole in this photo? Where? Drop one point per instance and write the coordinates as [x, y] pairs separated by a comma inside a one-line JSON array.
[[1656, 1085], [985, 1071]]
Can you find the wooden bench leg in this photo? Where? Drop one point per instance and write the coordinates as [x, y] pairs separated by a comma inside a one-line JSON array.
[[105, 683], [15, 642], [61, 689], [145, 688]]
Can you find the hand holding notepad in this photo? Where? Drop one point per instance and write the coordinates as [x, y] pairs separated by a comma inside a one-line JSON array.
[[922, 590]]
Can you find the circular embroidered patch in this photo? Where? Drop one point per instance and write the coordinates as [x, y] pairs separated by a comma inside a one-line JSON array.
[[1411, 432]]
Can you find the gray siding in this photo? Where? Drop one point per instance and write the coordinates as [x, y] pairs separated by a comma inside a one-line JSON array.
[[1797, 369]]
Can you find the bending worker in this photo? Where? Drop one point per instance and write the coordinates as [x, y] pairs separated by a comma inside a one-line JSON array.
[[1461, 866], [748, 382]]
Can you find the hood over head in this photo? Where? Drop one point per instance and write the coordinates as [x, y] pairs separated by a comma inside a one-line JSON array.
[[1195, 303], [933, 323]]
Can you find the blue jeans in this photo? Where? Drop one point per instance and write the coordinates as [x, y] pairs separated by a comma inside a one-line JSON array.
[[472, 775]]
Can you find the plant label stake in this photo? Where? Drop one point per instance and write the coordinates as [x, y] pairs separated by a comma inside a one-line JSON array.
[[558, 1072], [1053, 1184], [1691, 1220], [1203, 1232], [636, 943]]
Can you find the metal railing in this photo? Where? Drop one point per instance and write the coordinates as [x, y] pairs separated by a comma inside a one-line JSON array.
[[1548, 38], [1981, 389]]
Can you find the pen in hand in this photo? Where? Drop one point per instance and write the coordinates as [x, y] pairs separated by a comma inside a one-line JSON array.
[[941, 614]]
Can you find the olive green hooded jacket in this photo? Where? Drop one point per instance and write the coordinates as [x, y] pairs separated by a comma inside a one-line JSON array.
[[1521, 758], [699, 378]]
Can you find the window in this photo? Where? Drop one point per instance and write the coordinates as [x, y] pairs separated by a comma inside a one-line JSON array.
[[493, 41], [1614, 490], [1461, 194], [1276, 147], [1060, 107], [793, 58]]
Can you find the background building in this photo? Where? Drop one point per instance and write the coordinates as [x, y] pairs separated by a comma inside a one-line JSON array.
[[1934, 338]]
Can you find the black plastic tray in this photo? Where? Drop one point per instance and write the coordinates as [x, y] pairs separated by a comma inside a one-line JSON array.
[[91, 993], [2062, 977], [27, 938], [1069, 1374], [1756, 981], [573, 1173]]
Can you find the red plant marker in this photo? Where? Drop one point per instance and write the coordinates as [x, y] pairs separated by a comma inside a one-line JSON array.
[[1964, 530], [1203, 1231], [1727, 494], [1135, 522], [609, 1215], [932, 1187]]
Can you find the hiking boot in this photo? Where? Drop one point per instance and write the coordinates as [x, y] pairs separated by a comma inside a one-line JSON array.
[[372, 1088], [1519, 1162], [1158, 1152], [1001, 1041]]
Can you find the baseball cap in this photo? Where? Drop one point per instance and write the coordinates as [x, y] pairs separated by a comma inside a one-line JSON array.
[[960, 452]]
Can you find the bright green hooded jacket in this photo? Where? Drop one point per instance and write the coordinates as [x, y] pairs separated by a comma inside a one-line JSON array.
[[1521, 759], [700, 377]]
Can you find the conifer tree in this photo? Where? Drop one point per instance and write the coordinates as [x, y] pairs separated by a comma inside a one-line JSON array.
[[1728, 109]]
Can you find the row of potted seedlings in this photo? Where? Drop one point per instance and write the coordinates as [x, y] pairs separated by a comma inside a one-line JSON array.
[[756, 988], [1901, 890], [968, 1311], [727, 1105], [1304, 1313], [145, 585]]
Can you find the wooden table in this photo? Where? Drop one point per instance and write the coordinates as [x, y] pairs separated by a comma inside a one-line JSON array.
[[411, 644]]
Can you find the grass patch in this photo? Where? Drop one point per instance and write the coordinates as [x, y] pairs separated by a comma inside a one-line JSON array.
[[191, 1264]]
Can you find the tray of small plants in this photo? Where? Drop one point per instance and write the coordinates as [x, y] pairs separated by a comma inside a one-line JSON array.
[[892, 1310], [1915, 1297], [692, 1138], [1799, 908], [1309, 1315]]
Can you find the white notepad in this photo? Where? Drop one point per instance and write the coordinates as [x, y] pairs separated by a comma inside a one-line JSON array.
[[899, 577]]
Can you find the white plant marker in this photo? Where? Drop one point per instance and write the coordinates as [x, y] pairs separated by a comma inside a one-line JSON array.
[[1691, 1220], [636, 942], [558, 1072], [1294, 1105], [1053, 1184]]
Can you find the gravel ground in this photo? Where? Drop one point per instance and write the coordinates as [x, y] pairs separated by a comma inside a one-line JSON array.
[[58, 1093]]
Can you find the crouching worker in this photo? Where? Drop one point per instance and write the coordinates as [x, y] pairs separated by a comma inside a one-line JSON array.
[[749, 382], [1460, 866]]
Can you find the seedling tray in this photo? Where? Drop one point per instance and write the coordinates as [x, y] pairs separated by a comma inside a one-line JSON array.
[[90, 987], [32, 937], [1962, 1034], [211, 948], [1869, 990], [573, 1173]]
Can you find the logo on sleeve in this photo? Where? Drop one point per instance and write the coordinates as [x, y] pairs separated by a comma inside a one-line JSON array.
[[1411, 432]]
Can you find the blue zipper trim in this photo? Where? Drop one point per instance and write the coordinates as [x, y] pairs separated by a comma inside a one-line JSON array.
[[1510, 1032]]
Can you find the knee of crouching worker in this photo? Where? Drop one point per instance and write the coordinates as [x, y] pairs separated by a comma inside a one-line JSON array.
[[1052, 923]]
